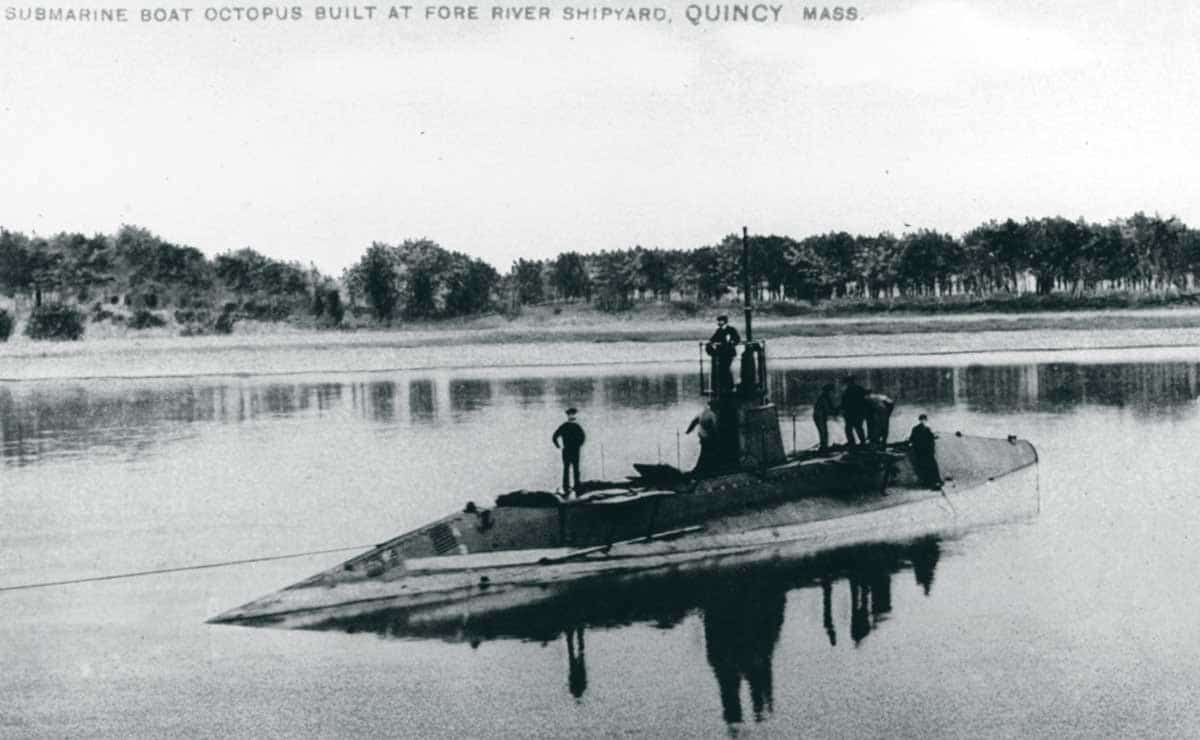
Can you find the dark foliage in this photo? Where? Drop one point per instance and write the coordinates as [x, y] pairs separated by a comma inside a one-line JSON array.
[[6, 325], [687, 308], [419, 279], [55, 321], [143, 319], [327, 305], [528, 277], [224, 323], [786, 308], [1134, 258]]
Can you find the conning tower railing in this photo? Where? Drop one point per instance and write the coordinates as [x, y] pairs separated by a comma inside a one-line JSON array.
[[750, 380]]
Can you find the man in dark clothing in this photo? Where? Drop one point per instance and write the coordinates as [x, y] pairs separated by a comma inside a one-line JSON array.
[[722, 347], [826, 406], [921, 444], [572, 437], [854, 410]]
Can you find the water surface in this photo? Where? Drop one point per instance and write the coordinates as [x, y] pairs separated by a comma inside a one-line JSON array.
[[1078, 623]]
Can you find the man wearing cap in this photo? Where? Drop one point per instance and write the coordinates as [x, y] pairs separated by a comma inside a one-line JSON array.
[[572, 437], [722, 346], [922, 445]]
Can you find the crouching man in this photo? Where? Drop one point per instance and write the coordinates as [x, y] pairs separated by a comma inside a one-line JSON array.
[[878, 415]]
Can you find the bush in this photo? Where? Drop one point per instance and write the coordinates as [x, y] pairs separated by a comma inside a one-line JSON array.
[[193, 322], [193, 330], [193, 316], [100, 312], [334, 308], [613, 301], [786, 308], [686, 307], [270, 309], [6, 325], [143, 319], [224, 323], [327, 307], [55, 321]]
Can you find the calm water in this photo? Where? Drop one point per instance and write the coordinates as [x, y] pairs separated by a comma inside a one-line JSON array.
[[1079, 623]]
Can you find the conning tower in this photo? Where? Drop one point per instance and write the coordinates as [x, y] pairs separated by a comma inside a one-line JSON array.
[[747, 422]]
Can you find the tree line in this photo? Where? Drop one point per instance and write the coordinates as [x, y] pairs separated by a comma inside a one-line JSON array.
[[1139, 253], [135, 273]]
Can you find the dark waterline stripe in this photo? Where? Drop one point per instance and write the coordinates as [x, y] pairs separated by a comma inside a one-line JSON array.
[[602, 363], [160, 571]]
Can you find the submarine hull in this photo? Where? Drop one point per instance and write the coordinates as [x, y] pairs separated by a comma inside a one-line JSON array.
[[497, 557]]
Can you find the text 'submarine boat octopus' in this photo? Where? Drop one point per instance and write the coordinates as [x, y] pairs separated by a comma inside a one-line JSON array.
[[748, 494]]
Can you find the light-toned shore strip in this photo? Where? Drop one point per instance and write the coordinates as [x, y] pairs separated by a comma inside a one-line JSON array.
[[377, 352]]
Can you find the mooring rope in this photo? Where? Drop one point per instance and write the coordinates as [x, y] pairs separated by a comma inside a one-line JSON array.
[[181, 568]]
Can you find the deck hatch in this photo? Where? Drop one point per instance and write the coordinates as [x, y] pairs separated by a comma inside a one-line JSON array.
[[443, 539]]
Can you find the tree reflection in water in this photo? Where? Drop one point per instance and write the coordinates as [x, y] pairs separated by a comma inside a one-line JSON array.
[[133, 417], [741, 603]]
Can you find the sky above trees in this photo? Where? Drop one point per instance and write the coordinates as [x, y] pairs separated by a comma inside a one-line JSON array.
[[510, 141]]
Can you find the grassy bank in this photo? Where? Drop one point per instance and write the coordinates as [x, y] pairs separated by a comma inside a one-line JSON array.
[[1004, 303], [675, 322], [649, 323], [561, 340], [654, 321]]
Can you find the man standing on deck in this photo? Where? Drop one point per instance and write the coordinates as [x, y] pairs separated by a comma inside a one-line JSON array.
[[572, 437], [854, 410], [826, 406], [722, 347], [922, 445]]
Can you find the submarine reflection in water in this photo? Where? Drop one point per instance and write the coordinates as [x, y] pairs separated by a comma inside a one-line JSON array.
[[740, 602]]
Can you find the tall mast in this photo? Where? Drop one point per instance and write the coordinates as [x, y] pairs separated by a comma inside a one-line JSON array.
[[746, 281]]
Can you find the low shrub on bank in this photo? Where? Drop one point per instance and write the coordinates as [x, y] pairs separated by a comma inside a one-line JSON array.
[[224, 323], [6, 325], [193, 322], [786, 308], [327, 307], [268, 309], [55, 321], [685, 307], [143, 319], [613, 301]]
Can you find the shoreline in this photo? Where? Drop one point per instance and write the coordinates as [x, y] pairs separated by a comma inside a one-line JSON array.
[[602, 328], [1165, 334]]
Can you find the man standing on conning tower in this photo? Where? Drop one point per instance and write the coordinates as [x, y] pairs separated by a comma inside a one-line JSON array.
[[722, 347]]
